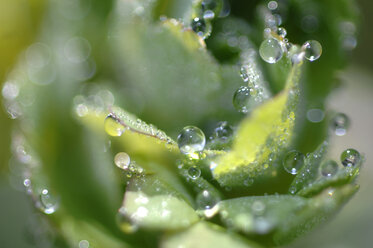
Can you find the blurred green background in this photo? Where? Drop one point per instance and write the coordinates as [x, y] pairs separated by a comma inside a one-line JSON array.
[[353, 227]]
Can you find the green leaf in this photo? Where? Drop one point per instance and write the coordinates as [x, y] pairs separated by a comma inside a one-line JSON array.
[[152, 204], [278, 219], [205, 234], [259, 215], [344, 176], [75, 231], [319, 209], [261, 137], [193, 76], [310, 170]]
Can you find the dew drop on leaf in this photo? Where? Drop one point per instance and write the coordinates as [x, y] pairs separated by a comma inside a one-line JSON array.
[[48, 202], [207, 199], [122, 160], [329, 168], [113, 127], [194, 172], [200, 27], [270, 50], [223, 131], [282, 32], [241, 99], [190, 140], [293, 162], [340, 124], [124, 223], [350, 157], [312, 50]]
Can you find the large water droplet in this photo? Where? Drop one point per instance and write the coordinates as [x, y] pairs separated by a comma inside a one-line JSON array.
[[350, 157], [340, 123], [122, 160], [241, 99], [49, 203], [293, 162], [113, 127], [312, 50], [270, 50], [191, 139], [329, 168]]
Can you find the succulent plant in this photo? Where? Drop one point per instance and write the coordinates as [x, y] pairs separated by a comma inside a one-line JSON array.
[[236, 155]]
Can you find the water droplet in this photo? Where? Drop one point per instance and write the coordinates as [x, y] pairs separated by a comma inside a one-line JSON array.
[[112, 126], [270, 50], [350, 157], [282, 32], [200, 27], [190, 140], [340, 124], [83, 244], [223, 131], [329, 168], [258, 207], [122, 160], [10, 90], [315, 115], [272, 5], [207, 199], [194, 172], [48, 202], [124, 222], [241, 99], [312, 50], [293, 162]]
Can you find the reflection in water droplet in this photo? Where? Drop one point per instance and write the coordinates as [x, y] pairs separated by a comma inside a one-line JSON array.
[[340, 124], [49, 203], [208, 15], [122, 160], [113, 127], [350, 157], [293, 162], [190, 140], [241, 99], [270, 50], [199, 26], [194, 172], [329, 168], [312, 50]]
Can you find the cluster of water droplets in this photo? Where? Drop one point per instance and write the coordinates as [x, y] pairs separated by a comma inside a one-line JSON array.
[[123, 161], [205, 12], [118, 121], [275, 45], [248, 96]]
